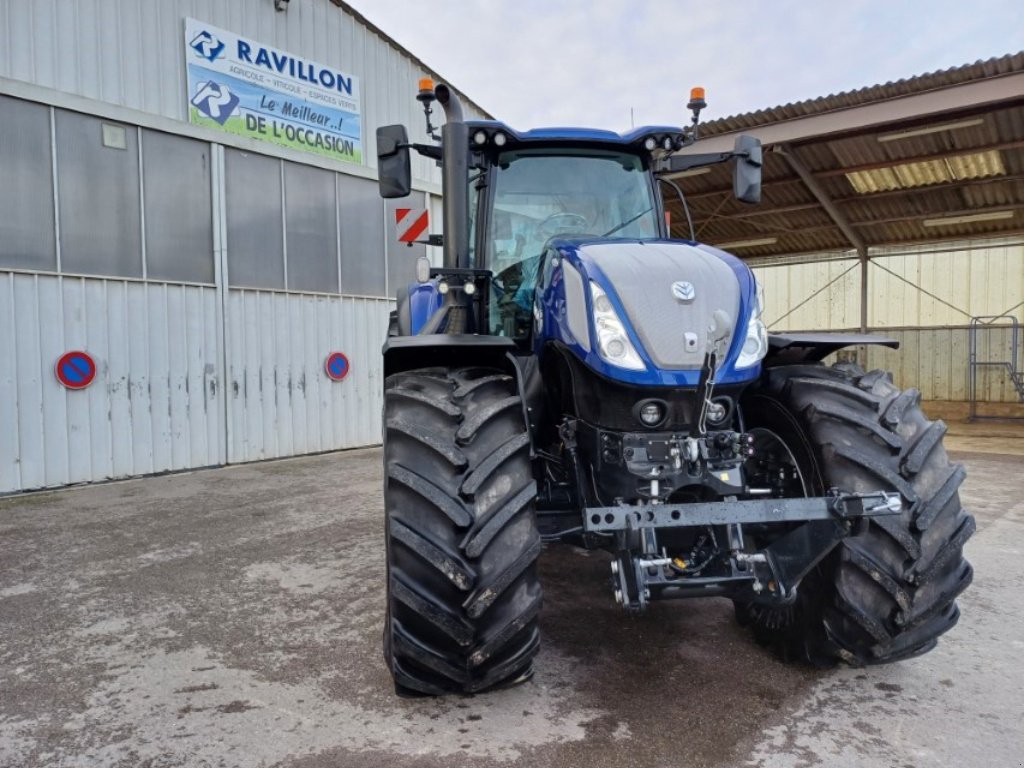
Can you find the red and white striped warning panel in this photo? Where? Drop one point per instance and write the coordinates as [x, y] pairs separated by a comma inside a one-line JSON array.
[[411, 223]]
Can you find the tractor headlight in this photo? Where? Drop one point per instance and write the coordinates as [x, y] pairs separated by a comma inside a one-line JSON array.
[[651, 413], [755, 345], [613, 343]]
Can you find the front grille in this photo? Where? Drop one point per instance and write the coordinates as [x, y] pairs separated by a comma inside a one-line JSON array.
[[609, 404]]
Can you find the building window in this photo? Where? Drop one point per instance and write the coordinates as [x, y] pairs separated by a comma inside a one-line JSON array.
[[26, 194], [255, 228], [98, 190], [362, 237], [311, 225], [179, 219]]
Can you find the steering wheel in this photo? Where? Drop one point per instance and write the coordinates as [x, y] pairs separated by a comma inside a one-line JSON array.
[[559, 223]]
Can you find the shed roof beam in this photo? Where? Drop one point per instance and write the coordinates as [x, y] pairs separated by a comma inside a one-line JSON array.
[[1018, 144], [956, 98], [960, 152], [918, 192], [917, 216], [822, 197], [813, 251]]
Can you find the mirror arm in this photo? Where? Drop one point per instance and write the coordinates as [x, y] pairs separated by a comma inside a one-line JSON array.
[[427, 150], [678, 163]]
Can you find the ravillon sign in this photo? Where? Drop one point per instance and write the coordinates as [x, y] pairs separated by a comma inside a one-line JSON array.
[[240, 86]]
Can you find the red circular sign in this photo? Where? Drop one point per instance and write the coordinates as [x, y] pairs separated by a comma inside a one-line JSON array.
[[337, 366], [75, 370]]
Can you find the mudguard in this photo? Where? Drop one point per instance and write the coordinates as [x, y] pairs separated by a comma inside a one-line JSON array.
[[405, 353], [790, 348]]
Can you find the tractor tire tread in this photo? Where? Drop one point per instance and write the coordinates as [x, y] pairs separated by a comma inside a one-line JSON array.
[[462, 542], [888, 590]]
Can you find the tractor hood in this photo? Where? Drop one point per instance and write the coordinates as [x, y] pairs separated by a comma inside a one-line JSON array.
[[667, 294], [669, 291]]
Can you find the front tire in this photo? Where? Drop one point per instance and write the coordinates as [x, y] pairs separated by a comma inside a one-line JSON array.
[[462, 542], [889, 591]]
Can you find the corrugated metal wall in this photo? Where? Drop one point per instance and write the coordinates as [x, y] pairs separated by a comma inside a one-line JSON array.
[[796, 296], [159, 402], [156, 403], [130, 53], [189, 374], [988, 279], [964, 279], [923, 296], [935, 361], [280, 401]]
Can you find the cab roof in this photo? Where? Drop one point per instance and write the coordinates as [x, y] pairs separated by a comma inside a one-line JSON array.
[[568, 134]]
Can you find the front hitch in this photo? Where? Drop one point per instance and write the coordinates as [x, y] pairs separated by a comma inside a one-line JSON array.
[[771, 574]]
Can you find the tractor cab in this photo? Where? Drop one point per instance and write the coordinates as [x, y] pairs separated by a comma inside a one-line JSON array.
[[531, 190], [510, 194]]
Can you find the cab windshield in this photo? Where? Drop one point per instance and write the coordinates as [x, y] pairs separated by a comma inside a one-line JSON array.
[[541, 194], [538, 195]]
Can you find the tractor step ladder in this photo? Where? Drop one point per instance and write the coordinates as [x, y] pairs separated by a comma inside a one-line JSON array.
[[987, 325]]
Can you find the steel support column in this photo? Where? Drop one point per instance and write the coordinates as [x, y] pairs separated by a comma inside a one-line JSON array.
[[863, 290], [837, 216]]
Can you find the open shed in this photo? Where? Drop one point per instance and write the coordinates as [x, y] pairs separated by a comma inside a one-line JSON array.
[[896, 208]]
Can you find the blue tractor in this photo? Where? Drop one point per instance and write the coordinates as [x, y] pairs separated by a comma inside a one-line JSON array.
[[572, 374]]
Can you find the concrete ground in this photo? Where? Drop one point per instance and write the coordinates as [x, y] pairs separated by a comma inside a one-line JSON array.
[[232, 618]]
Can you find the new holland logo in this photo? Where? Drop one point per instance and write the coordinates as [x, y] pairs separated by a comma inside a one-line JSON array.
[[684, 291], [207, 46]]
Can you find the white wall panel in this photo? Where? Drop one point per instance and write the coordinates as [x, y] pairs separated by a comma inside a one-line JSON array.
[[280, 400], [986, 280], [155, 405], [796, 297], [934, 360], [963, 279]]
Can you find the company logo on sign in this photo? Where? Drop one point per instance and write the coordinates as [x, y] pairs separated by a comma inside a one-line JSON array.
[[207, 46], [684, 291], [216, 101]]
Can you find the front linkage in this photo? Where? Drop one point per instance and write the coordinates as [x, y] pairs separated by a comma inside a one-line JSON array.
[[641, 573]]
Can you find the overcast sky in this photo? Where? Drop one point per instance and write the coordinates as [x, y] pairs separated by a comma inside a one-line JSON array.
[[588, 62]]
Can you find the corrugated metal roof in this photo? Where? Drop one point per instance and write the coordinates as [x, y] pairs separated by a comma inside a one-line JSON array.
[[923, 173], [943, 78], [963, 161]]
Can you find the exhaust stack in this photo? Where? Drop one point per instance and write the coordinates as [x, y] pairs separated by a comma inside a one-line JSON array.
[[455, 179]]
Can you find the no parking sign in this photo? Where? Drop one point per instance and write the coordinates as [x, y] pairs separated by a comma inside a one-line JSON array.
[[75, 370], [337, 366]]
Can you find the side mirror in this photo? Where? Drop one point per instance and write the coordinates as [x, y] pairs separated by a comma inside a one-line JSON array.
[[393, 168], [746, 179]]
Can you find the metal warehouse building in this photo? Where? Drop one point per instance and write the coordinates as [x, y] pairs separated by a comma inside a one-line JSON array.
[[190, 226]]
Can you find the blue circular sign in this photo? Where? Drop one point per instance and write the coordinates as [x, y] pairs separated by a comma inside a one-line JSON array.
[[75, 370], [337, 366]]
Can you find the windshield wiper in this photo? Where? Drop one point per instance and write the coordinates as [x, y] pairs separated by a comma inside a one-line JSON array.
[[626, 223]]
